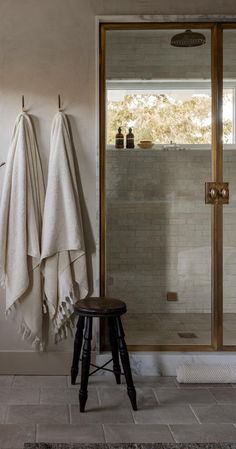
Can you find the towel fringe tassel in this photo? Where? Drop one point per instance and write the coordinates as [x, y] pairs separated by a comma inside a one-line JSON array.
[[63, 320], [24, 331]]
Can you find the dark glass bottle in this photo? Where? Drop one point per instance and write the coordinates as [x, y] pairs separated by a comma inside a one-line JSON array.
[[130, 139], [119, 139]]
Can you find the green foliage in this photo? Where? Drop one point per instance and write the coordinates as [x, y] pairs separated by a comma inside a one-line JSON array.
[[161, 118]]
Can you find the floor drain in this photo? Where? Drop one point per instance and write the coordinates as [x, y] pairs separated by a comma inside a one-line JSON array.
[[187, 335]]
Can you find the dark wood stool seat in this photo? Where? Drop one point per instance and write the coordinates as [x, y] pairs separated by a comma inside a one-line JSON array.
[[111, 309], [101, 307]]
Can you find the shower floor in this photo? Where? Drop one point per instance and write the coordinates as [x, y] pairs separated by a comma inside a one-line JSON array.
[[175, 328]]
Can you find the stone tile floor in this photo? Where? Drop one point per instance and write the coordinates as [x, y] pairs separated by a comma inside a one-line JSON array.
[[45, 409]]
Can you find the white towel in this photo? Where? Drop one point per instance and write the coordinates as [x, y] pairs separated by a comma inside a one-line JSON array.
[[63, 250], [20, 231]]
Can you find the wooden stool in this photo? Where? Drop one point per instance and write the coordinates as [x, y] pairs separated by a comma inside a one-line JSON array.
[[111, 309]]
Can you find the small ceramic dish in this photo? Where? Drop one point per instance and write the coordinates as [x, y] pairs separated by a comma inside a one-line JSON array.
[[145, 144]]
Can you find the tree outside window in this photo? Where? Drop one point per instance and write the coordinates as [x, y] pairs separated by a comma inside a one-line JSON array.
[[180, 116]]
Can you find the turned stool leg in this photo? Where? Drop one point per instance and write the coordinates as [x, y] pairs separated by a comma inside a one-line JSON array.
[[86, 358], [114, 348], [77, 349], [125, 363]]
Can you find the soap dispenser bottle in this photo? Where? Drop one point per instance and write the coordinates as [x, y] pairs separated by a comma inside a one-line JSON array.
[[119, 139], [130, 139]]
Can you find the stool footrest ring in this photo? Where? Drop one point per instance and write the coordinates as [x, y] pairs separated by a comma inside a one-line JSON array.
[[98, 368]]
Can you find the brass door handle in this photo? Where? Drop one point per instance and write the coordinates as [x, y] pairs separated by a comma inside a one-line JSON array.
[[213, 193], [224, 193], [216, 192]]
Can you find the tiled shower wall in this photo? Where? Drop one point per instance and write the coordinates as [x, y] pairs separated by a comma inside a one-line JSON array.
[[159, 230], [147, 55]]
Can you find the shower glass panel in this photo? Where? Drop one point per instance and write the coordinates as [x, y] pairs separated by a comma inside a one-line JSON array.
[[158, 228], [229, 164]]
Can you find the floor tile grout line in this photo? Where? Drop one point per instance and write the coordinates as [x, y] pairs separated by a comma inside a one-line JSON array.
[[171, 432], [104, 433], [192, 410], [215, 400], [155, 395]]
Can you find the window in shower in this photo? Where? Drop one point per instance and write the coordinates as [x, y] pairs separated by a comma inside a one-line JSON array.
[[177, 111]]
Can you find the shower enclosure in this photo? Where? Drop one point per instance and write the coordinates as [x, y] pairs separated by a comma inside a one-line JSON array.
[[168, 213]]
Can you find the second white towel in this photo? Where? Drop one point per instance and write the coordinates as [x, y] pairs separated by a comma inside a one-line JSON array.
[[63, 250]]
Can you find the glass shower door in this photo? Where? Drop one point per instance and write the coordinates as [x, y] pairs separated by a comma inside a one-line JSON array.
[[229, 164], [158, 227]]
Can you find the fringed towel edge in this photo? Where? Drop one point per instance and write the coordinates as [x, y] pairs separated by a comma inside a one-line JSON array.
[[63, 318], [24, 331]]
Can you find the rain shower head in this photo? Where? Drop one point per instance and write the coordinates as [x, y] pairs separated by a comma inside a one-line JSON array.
[[188, 39]]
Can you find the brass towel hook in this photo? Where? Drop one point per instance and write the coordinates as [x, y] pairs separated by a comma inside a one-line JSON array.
[[59, 103], [23, 103]]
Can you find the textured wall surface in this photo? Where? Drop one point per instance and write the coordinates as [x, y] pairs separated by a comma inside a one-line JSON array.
[[48, 48]]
